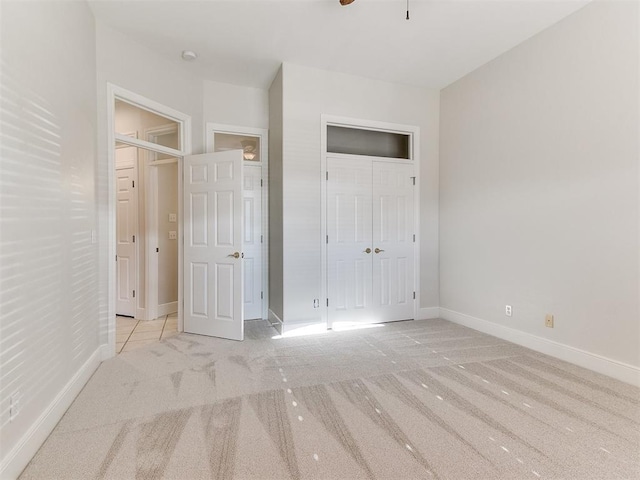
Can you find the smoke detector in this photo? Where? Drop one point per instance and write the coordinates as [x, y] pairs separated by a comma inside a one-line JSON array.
[[188, 55]]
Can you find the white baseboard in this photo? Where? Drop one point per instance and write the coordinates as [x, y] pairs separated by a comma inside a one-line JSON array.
[[612, 368], [428, 313], [107, 351], [23, 451], [167, 308]]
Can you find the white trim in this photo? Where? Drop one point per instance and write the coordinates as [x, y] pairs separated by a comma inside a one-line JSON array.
[[167, 308], [154, 147], [263, 133], [350, 122], [184, 121], [152, 240], [23, 451], [180, 245], [166, 161], [414, 159], [607, 366], [150, 213], [428, 313], [105, 352]]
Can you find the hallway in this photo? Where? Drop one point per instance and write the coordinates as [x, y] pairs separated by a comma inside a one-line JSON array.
[[132, 334]]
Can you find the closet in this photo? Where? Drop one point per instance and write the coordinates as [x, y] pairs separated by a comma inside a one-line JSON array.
[[370, 239]]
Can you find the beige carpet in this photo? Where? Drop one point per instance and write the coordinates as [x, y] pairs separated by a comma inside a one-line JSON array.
[[409, 400]]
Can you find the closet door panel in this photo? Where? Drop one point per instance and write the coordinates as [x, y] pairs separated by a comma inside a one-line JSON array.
[[392, 268], [349, 216]]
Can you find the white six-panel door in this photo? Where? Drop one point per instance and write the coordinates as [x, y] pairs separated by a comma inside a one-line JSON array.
[[369, 241], [213, 245], [349, 248], [126, 230], [392, 241], [252, 241]]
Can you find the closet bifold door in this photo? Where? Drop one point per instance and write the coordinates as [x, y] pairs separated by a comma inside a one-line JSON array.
[[392, 244], [349, 249]]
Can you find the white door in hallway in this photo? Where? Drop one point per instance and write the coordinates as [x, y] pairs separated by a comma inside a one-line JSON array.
[[393, 241], [370, 248], [252, 241], [213, 245], [126, 231]]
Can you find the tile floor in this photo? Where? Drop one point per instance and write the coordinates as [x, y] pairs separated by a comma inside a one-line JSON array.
[[132, 333]]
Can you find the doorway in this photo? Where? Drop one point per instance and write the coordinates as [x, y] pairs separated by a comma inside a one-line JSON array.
[[254, 145], [146, 215], [159, 146]]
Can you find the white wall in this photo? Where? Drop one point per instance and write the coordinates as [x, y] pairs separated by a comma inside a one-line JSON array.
[[49, 271], [539, 202], [309, 93], [168, 257], [235, 105]]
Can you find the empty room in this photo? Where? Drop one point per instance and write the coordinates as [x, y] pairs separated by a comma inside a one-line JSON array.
[[319, 239]]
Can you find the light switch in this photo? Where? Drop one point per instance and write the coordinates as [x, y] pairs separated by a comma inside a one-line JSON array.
[[173, 235], [173, 217]]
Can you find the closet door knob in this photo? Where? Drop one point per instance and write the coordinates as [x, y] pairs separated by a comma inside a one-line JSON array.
[[377, 250], [368, 250]]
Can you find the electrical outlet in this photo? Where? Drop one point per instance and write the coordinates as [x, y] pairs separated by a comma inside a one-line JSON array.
[[173, 217], [14, 406], [548, 320], [507, 310], [316, 303], [173, 235]]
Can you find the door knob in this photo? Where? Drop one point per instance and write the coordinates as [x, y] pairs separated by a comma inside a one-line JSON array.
[[377, 250], [368, 250], [234, 255]]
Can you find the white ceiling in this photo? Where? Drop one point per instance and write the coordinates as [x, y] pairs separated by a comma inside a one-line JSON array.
[[243, 42]]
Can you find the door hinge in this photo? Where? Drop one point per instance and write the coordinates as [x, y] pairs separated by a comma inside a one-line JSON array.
[[327, 239], [116, 258], [134, 239], [261, 295], [133, 184], [414, 238], [261, 182], [261, 239], [157, 250], [327, 175], [134, 294], [414, 180], [327, 302], [414, 295]]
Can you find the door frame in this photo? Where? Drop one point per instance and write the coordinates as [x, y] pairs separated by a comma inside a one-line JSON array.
[[114, 93], [263, 133], [414, 159], [150, 175]]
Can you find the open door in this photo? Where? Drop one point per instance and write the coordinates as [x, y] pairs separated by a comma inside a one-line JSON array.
[[213, 244], [126, 231]]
